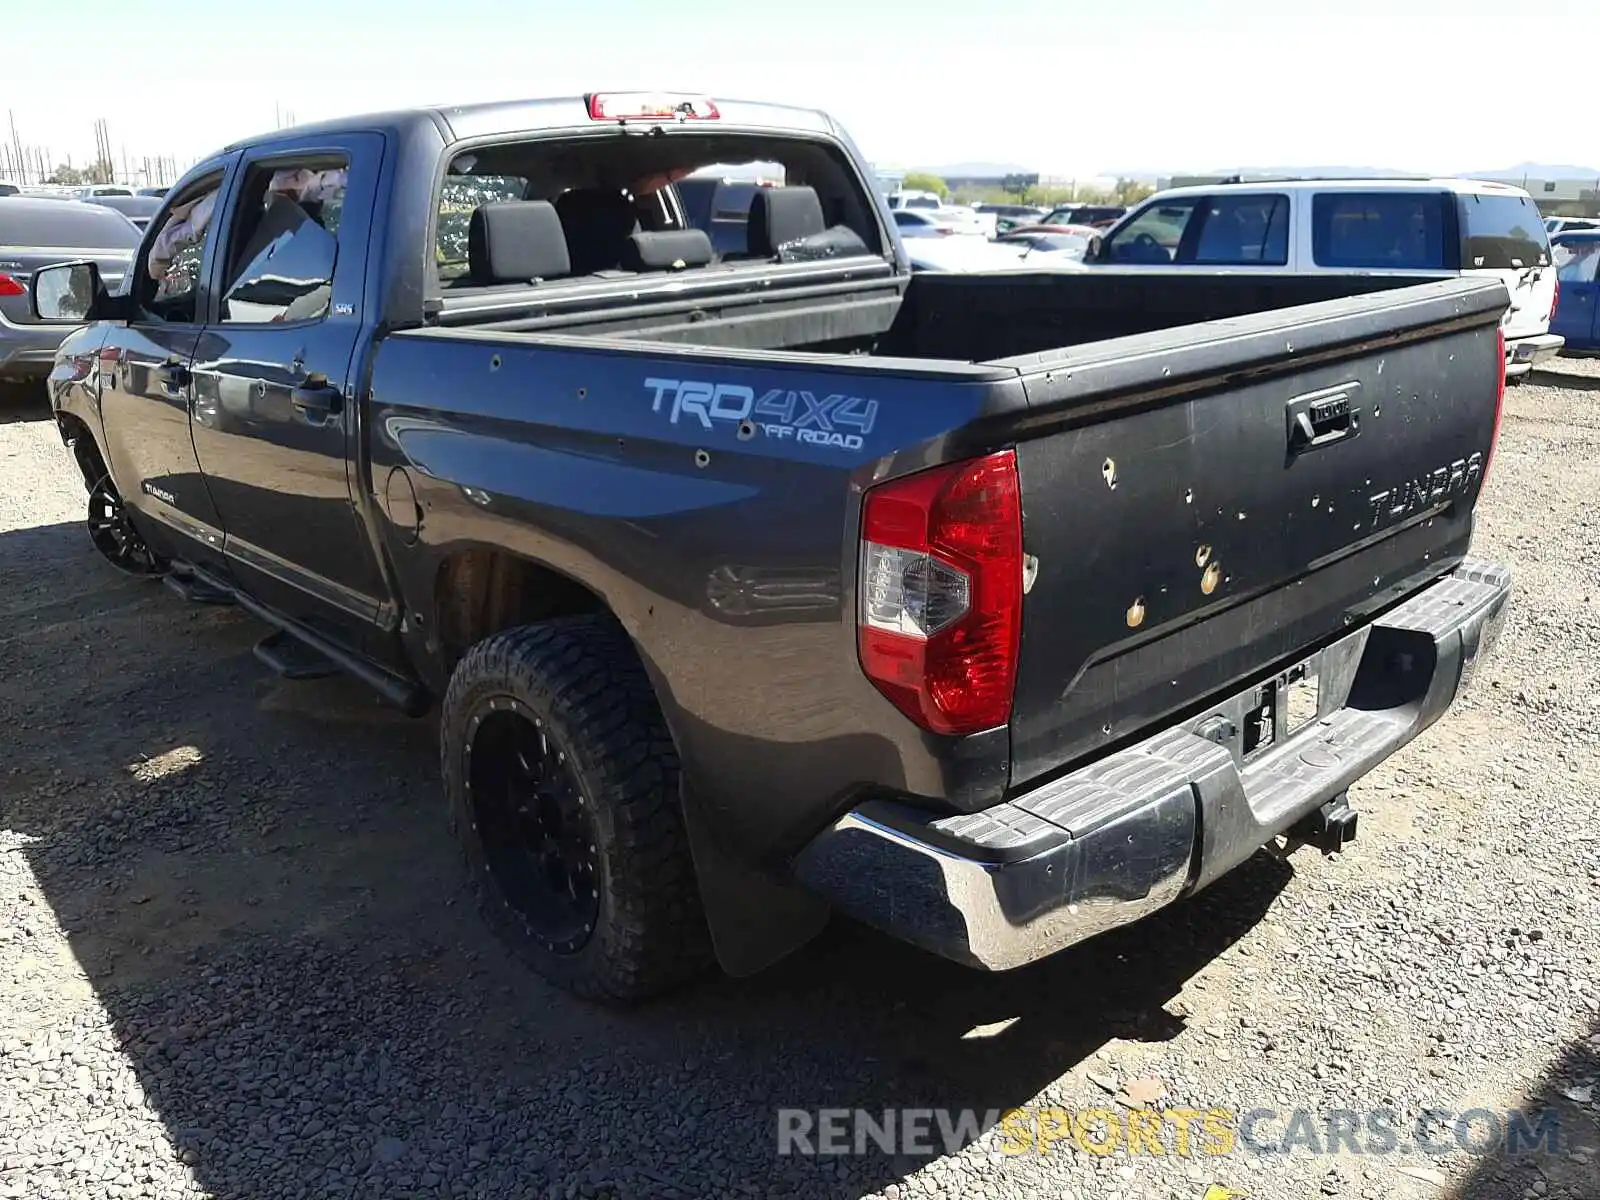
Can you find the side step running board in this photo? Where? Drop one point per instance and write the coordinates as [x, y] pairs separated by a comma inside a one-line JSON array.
[[196, 591], [293, 659], [407, 695]]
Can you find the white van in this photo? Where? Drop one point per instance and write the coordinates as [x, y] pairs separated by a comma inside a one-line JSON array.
[[1344, 226]]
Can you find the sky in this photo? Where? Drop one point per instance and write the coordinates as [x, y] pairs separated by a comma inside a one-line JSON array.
[[1063, 87]]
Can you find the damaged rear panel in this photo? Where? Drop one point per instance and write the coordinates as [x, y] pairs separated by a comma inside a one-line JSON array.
[[1199, 512]]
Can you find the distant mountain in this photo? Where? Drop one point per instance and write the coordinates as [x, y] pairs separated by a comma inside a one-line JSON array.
[[1537, 171]]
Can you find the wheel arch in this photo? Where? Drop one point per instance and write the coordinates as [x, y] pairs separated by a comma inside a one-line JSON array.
[[755, 917], [86, 450]]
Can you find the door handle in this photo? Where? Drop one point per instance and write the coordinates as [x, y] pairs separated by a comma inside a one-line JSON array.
[[319, 398], [174, 376], [1322, 418]]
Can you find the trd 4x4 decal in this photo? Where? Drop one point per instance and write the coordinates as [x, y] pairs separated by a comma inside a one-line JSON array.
[[833, 420]]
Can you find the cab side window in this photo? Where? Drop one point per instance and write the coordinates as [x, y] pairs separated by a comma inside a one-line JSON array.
[[284, 243], [168, 278], [1152, 237], [1244, 230]]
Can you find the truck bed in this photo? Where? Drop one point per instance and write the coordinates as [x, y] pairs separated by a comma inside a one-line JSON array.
[[1184, 540]]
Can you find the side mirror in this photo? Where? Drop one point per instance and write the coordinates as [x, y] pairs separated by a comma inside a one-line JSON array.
[[70, 293], [1092, 254]]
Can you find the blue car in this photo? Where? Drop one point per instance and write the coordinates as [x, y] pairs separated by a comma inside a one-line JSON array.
[[1577, 316]]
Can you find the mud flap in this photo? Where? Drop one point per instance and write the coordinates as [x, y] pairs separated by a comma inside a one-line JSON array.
[[755, 919]]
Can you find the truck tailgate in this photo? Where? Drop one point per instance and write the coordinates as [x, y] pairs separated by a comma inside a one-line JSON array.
[[1207, 508]]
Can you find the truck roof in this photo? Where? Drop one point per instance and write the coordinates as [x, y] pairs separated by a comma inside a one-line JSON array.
[[464, 121], [1385, 184]]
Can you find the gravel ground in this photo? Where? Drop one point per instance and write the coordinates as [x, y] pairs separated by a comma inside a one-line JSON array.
[[236, 959]]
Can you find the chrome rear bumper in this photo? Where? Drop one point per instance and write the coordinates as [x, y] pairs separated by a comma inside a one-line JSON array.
[[1523, 354], [1133, 832]]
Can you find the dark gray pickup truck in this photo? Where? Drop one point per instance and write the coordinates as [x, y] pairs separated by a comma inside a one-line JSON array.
[[758, 583]]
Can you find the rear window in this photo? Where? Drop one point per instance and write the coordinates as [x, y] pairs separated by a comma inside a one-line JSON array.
[[1396, 231], [68, 223], [457, 199], [721, 206], [1503, 233]]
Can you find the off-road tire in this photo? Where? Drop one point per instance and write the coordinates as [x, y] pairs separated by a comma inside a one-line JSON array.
[[582, 679]]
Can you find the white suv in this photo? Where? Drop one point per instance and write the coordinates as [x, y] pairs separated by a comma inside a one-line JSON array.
[[1361, 226]]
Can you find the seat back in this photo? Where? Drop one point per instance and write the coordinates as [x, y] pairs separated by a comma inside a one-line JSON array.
[[516, 241]]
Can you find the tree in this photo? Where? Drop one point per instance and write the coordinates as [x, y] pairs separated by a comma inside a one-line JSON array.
[[69, 176], [1130, 191], [921, 181]]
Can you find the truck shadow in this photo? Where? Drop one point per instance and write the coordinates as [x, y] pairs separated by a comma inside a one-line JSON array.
[[254, 880], [1555, 1147], [1557, 378], [23, 402]]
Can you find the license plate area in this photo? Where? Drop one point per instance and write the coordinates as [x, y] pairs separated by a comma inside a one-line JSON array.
[[1301, 697], [1269, 714]]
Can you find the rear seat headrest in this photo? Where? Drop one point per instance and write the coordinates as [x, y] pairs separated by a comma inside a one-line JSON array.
[[597, 222], [516, 241], [669, 250], [782, 215]]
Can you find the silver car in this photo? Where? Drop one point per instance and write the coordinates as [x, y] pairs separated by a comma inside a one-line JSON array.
[[34, 233]]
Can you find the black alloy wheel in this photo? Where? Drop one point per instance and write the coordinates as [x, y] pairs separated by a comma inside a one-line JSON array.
[[113, 533], [563, 788], [534, 824]]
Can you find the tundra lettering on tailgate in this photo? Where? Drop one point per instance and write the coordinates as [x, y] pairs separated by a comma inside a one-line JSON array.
[[833, 420], [1425, 491]]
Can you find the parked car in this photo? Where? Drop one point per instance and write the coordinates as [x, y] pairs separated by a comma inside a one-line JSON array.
[[1099, 216], [1555, 225], [1425, 228], [935, 222], [9, 189], [1073, 240], [972, 254], [753, 590], [914, 199], [101, 189], [1577, 318], [138, 209], [1011, 216], [150, 191], [36, 233]]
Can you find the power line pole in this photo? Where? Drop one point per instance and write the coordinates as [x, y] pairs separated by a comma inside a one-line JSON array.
[[16, 141]]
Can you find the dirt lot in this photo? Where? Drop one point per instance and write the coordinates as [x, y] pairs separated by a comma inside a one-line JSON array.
[[236, 959]]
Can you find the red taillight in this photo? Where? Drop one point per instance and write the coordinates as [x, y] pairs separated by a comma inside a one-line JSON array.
[[10, 287], [1499, 407], [941, 592], [1555, 302]]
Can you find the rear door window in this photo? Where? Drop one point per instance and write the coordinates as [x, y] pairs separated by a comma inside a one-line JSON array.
[[1396, 231], [1244, 230], [1153, 236], [1502, 232]]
